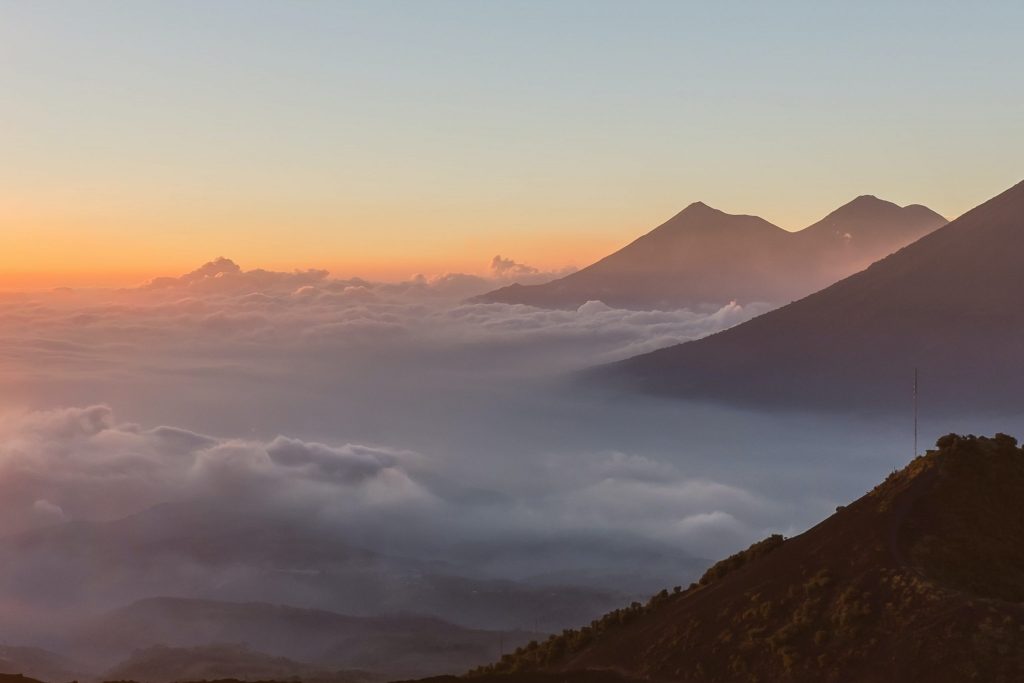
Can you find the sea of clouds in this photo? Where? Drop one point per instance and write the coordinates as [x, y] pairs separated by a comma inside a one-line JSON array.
[[404, 418]]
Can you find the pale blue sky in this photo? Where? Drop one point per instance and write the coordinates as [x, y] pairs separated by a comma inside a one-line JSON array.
[[419, 135]]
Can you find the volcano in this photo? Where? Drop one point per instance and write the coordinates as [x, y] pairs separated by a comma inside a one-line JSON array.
[[949, 304], [703, 257]]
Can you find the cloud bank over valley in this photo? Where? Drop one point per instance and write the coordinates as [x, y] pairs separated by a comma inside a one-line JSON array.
[[395, 421]]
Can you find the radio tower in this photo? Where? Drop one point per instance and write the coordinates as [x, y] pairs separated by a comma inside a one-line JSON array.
[[915, 412]]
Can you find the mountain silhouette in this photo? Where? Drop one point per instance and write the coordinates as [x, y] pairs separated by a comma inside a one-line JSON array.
[[212, 552], [921, 579], [393, 646], [705, 257], [857, 234], [160, 664], [36, 663], [948, 304]]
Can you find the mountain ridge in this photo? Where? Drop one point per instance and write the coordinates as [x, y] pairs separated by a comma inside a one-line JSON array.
[[702, 256], [943, 304], [396, 644]]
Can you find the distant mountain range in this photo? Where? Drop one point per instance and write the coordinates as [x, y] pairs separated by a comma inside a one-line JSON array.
[[159, 640], [37, 663], [949, 304], [160, 664], [197, 551], [704, 257], [387, 615], [919, 581], [322, 641]]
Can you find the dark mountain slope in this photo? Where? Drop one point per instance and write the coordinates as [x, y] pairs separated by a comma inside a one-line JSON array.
[[951, 304], [922, 579], [703, 256]]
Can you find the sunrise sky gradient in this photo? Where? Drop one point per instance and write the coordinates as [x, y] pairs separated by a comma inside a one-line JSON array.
[[384, 139]]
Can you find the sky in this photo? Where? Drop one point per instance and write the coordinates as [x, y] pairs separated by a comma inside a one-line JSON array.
[[384, 139]]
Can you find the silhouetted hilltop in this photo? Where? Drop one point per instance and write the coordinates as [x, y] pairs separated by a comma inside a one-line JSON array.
[[949, 304], [921, 579], [703, 256]]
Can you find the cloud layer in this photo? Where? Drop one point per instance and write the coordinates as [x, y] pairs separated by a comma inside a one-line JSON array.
[[81, 463], [302, 330], [398, 418]]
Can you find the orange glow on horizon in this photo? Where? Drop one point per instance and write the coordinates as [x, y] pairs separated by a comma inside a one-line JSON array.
[[42, 249], [63, 240], [62, 271]]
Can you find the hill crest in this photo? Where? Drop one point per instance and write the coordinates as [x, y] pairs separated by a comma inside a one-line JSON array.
[[921, 579]]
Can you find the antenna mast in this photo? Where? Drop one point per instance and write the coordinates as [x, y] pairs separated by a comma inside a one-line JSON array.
[[915, 412]]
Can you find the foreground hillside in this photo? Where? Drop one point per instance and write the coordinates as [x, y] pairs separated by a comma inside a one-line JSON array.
[[922, 579]]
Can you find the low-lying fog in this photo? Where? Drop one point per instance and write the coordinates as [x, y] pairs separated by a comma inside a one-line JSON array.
[[391, 418]]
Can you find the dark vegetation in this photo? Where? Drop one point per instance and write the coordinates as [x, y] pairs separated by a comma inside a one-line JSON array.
[[538, 654], [919, 580], [922, 579], [971, 504]]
